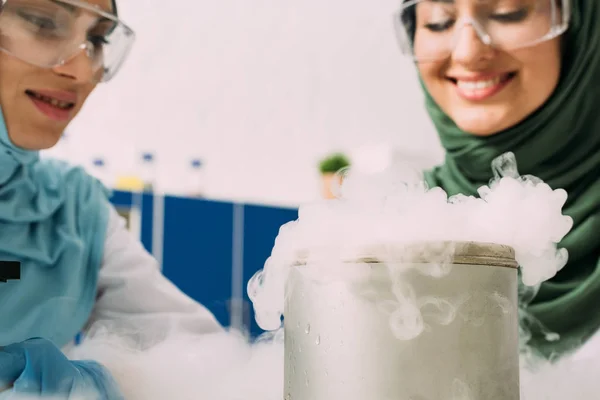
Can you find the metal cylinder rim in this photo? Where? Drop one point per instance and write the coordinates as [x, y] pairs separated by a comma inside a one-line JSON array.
[[459, 252]]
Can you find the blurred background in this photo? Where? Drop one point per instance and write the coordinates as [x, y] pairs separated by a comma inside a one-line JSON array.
[[230, 114]]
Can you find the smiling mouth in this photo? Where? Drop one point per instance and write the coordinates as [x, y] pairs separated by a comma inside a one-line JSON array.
[[62, 105], [481, 89]]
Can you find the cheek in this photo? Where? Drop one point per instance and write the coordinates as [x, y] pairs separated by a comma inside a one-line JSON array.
[[540, 74], [430, 74], [11, 75]]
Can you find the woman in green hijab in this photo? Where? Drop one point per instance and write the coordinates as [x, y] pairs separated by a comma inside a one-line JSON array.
[[521, 76]]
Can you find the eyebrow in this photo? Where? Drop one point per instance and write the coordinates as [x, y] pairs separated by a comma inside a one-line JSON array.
[[437, 1], [69, 7], [72, 9]]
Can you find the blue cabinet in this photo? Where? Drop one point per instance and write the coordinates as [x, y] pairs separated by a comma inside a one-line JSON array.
[[202, 242], [197, 251]]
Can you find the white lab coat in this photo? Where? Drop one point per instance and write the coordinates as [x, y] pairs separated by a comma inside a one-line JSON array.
[[134, 294], [139, 308]]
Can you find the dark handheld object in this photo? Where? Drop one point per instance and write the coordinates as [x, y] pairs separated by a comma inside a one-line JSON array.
[[10, 270]]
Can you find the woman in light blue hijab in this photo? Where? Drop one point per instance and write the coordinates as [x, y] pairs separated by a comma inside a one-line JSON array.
[[79, 263]]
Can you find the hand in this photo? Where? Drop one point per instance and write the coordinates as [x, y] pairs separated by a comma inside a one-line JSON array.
[[37, 368]]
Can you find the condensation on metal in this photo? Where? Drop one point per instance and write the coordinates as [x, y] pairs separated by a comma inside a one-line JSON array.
[[459, 252], [338, 341]]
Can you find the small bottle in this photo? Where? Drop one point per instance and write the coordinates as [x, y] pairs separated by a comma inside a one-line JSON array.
[[148, 172], [147, 177], [100, 171], [197, 184]]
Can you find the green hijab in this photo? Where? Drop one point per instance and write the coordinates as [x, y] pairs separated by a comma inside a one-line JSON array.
[[559, 143]]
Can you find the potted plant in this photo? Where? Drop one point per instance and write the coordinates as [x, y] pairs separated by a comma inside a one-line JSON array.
[[328, 167]]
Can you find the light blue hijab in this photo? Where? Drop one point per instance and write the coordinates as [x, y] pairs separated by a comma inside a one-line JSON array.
[[53, 219]]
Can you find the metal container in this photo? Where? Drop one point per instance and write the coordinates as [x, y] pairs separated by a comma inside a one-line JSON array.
[[339, 343]]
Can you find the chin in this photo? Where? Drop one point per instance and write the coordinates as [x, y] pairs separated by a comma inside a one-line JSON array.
[[48, 141], [478, 131], [482, 124], [43, 141]]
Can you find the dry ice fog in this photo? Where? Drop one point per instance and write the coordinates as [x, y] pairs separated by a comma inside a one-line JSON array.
[[395, 219]]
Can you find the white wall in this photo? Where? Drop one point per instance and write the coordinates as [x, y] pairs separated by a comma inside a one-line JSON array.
[[259, 89]]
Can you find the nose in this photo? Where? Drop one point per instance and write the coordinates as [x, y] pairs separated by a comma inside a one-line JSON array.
[[79, 67], [472, 46]]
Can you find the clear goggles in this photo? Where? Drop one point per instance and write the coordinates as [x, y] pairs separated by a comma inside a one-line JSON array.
[[49, 33], [428, 30]]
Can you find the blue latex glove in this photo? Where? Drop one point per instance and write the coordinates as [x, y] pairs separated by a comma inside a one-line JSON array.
[[37, 368]]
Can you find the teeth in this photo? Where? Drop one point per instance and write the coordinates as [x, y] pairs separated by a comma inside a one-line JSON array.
[[478, 85], [56, 103]]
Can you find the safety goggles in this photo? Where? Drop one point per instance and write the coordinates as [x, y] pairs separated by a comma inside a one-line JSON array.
[[49, 33], [428, 30]]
